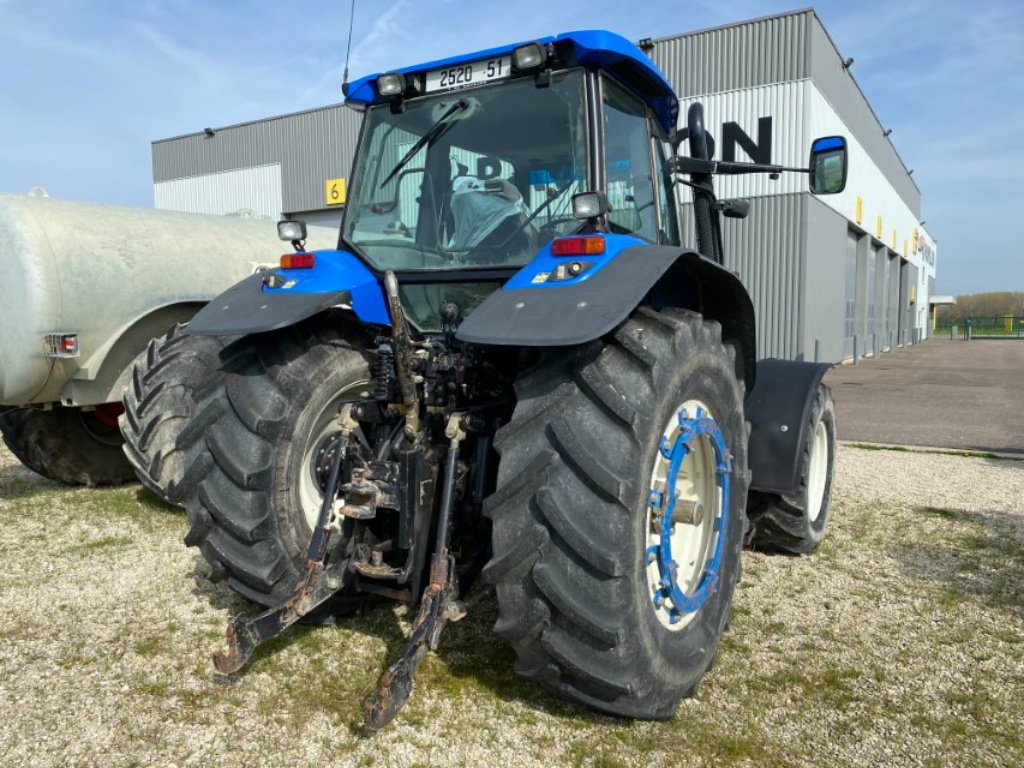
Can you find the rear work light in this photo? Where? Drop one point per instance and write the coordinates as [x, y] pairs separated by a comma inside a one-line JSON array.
[[577, 246], [298, 261], [530, 57]]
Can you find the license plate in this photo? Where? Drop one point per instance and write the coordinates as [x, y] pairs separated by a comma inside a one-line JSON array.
[[473, 73]]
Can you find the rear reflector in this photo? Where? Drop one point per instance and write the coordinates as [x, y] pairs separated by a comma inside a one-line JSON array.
[[577, 246], [298, 261], [61, 344]]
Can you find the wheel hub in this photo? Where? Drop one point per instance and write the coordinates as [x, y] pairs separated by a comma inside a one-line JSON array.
[[688, 514], [322, 457]]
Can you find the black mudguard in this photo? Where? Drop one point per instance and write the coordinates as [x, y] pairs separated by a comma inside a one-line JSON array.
[[778, 409], [555, 316], [245, 308]]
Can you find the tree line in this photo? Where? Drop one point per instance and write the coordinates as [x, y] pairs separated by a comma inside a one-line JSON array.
[[995, 304]]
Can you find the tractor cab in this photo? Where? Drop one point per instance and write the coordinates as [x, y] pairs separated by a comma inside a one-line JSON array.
[[470, 166]]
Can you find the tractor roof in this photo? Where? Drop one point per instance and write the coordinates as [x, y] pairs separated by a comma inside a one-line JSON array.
[[593, 48]]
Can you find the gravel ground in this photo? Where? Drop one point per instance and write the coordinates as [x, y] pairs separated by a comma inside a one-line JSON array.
[[901, 642]]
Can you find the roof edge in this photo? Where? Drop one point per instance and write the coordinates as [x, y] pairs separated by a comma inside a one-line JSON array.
[[255, 121], [732, 24]]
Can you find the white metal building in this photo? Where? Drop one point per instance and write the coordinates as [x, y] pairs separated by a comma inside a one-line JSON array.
[[831, 277]]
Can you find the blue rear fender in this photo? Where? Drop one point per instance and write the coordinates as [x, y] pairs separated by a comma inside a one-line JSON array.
[[337, 280], [339, 271], [534, 310], [539, 271]]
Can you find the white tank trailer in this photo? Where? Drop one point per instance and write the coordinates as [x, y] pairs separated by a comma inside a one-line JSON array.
[[84, 288]]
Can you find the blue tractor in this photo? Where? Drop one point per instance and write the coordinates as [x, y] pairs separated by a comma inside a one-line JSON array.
[[512, 366]]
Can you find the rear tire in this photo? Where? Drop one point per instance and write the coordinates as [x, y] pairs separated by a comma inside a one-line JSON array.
[[571, 515], [68, 445], [161, 400], [796, 524], [250, 496]]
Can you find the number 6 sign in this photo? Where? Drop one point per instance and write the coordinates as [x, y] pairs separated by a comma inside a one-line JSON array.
[[334, 192]]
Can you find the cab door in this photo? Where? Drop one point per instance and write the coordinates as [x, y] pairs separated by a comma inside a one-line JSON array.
[[642, 195]]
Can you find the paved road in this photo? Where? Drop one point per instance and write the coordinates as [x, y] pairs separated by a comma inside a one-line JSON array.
[[948, 394]]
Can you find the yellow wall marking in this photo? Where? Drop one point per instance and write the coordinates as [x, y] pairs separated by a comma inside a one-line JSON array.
[[334, 192]]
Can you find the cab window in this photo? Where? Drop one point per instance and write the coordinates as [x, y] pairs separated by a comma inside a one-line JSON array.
[[666, 194], [627, 147]]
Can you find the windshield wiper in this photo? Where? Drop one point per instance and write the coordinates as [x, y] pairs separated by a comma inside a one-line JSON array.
[[433, 134]]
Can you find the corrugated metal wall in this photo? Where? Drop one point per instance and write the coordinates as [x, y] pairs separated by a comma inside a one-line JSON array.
[[785, 104], [311, 147], [758, 52], [768, 249], [257, 189], [780, 49]]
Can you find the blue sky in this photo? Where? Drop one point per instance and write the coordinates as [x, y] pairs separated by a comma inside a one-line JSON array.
[[85, 86]]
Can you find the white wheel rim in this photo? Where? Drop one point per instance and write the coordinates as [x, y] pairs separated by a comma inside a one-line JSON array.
[[692, 544], [817, 471]]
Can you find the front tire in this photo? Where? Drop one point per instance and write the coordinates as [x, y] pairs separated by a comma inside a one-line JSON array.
[[796, 524], [252, 496], [69, 445], [572, 515]]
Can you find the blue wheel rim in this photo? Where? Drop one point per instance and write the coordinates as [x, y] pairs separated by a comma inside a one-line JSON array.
[[668, 594]]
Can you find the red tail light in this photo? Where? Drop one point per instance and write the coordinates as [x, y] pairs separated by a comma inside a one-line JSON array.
[[577, 246], [298, 261]]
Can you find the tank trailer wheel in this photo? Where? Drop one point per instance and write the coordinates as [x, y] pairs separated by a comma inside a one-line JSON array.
[[253, 449], [796, 524], [69, 445], [618, 514], [160, 402]]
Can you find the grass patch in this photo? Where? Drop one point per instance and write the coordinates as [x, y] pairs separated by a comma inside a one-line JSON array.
[[946, 514], [150, 646], [159, 688], [870, 447], [967, 454], [107, 542], [16, 628]]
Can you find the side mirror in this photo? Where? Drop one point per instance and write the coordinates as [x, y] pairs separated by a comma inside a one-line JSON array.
[[828, 165], [589, 205]]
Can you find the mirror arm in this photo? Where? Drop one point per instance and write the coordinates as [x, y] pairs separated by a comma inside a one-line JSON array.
[[743, 168], [680, 164]]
